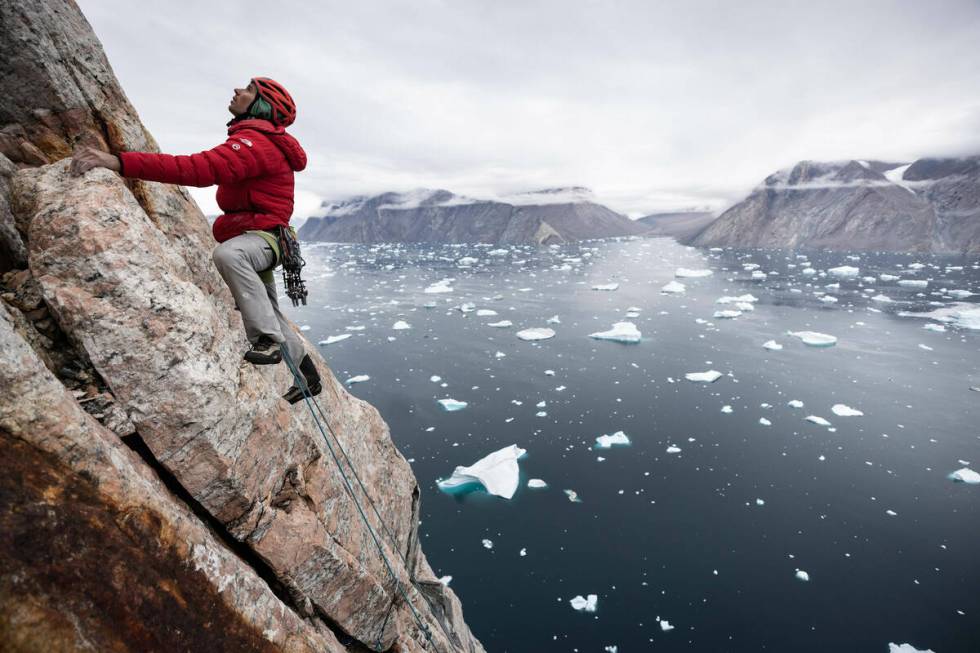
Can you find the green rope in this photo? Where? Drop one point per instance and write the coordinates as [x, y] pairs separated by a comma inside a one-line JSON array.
[[301, 383]]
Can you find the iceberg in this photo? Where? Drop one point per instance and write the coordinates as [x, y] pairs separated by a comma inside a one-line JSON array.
[[439, 287], [607, 441], [625, 332], [451, 405], [536, 333], [486, 312], [502, 324], [360, 378], [764, 421], [843, 410], [606, 286], [932, 326], [726, 409], [536, 483], [673, 287], [887, 277], [673, 449], [703, 377], [401, 325], [881, 298], [487, 544], [665, 625], [965, 475], [498, 473], [813, 338], [572, 496], [772, 345], [742, 299], [726, 315], [467, 261], [905, 648], [844, 272], [686, 273], [914, 283], [960, 314], [802, 575], [585, 604], [553, 320], [466, 307], [817, 420], [332, 339], [795, 403]]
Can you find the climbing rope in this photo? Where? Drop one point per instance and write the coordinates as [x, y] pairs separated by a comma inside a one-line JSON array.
[[301, 383]]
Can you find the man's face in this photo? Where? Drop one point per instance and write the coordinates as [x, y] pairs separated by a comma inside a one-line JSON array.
[[242, 99]]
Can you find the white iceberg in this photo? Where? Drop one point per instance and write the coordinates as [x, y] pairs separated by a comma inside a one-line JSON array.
[[439, 287], [884, 299], [572, 496], [687, 273], [795, 403], [621, 332], [665, 625], [703, 377], [772, 345], [844, 272], [843, 410], [466, 307], [607, 441], [585, 604], [802, 575], [486, 312], [814, 339], [553, 320], [332, 339], [360, 378], [726, 315], [451, 405], [536, 483], [606, 286], [673, 449], [487, 544], [498, 473], [536, 333], [914, 283], [906, 648], [673, 287], [965, 475], [960, 314], [741, 299], [401, 325], [502, 324], [817, 420]]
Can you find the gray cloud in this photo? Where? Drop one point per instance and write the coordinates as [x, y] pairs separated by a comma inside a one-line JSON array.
[[654, 106]]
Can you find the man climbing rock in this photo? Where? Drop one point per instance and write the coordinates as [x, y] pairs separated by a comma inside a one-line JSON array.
[[254, 171]]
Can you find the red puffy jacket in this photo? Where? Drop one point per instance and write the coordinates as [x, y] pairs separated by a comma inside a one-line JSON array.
[[253, 170]]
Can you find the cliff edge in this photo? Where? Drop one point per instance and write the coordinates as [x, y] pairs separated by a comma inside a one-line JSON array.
[[158, 494]]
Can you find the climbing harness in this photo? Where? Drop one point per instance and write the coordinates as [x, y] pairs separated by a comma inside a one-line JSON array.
[[292, 265], [310, 402]]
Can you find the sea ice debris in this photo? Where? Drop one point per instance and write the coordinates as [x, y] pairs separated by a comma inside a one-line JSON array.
[[498, 473]]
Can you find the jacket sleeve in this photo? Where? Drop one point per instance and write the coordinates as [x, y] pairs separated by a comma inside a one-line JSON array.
[[230, 162]]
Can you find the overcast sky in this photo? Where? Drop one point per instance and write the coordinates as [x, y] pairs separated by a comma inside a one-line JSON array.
[[653, 105]]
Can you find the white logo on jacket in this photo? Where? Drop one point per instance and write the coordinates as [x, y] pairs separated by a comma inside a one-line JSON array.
[[236, 146], [246, 141]]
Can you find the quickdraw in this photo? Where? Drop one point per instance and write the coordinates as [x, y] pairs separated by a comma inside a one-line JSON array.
[[292, 266]]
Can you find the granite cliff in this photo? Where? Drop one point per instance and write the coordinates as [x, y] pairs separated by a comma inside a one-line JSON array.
[[931, 205], [543, 217], [157, 494]]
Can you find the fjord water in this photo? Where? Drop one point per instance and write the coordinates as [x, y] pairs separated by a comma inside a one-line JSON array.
[[709, 539]]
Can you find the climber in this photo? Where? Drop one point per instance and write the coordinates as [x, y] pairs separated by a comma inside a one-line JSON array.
[[253, 170]]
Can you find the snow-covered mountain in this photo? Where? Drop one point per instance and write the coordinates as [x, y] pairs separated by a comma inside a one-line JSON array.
[[545, 216], [928, 205]]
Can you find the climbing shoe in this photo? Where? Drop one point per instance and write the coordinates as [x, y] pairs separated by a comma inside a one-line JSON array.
[[265, 351], [312, 377]]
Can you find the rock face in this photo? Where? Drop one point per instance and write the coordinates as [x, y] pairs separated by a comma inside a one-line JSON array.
[[154, 483], [437, 216], [681, 226], [932, 205]]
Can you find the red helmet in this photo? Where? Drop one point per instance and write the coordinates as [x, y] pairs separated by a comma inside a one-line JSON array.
[[283, 107]]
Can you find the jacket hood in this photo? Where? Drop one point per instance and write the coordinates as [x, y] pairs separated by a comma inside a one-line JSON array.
[[287, 144]]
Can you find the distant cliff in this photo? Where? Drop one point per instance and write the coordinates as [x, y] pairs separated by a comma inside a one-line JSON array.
[[542, 217], [931, 205], [156, 493], [679, 225]]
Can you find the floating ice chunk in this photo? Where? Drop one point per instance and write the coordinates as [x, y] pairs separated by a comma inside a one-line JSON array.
[[673, 449], [913, 283], [813, 338], [665, 625], [726, 315], [760, 502], [843, 410], [764, 421], [499, 354], [687, 273], [961, 314], [435, 378], [549, 372], [772, 345], [451, 405], [332, 339], [612, 648], [802, 575], [502, 324], [881, 298], [916, 266], [487, 544], [891, 513], [828, 299], [572, 496], [932, 326], [703, 377], [726, 409], [844, 272], [305, 327], [808, 271], [585, 604], [553, 320], [498, 473], [607, 441], [498, 252], [445, 580], [536, 483], [965, 475], [522, 552], [905, 648], [606, 286], [360, 378], [440, 287], [817, 420], [467, 261], [486, 312], [467, 307], [795, 403], [887, 277], [536, 333], [625, 332], [401, 325], [960, 294], [674, 287], [741, 299]]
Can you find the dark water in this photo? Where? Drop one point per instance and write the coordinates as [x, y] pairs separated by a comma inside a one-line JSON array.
[[679, 536]]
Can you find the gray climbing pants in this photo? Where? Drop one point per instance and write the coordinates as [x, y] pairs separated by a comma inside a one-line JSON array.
[[239, 261]]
